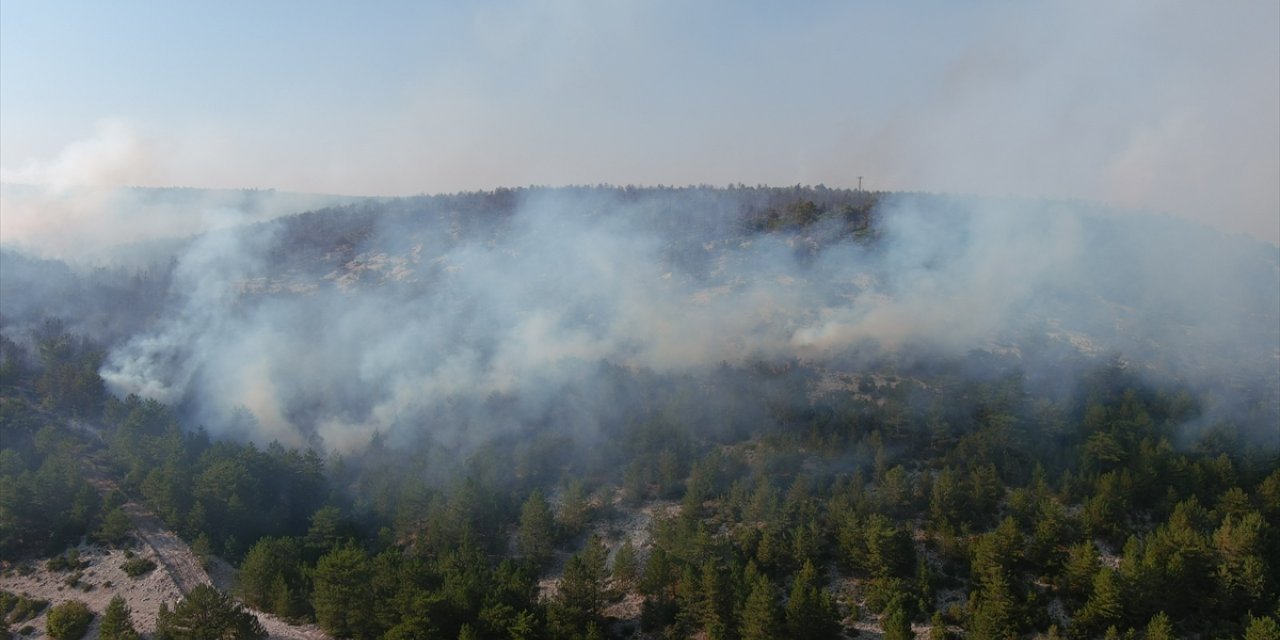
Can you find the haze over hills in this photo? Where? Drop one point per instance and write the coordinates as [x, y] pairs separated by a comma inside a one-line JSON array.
[[1025, 384], [121, 226], [410, 316], [478, 411]]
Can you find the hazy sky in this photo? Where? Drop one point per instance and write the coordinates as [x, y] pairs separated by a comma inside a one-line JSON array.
[[1162, 105]]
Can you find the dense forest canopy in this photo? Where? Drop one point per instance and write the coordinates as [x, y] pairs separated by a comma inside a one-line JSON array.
[[837, 408]]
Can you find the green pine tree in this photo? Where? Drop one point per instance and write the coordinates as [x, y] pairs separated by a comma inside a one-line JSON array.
[[1105, 606], [1160, 628], [992, 609], [208, 614], [716, 602], [896, 623], [938, 627], [761, 616], [582, 594], [625, 565], [537, 528], [116, 622], [811, 612], [342, 595], [1264, 628]]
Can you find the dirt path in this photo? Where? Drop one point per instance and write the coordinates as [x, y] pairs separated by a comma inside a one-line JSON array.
[[178, 570], [172, 553], [185, 570]]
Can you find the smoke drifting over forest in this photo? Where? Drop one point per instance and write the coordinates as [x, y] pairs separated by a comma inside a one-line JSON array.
[[466, 317]]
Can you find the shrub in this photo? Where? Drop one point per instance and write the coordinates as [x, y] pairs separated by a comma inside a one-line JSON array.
[[69, 561], [16, 608], [69, 620], [137, 567]]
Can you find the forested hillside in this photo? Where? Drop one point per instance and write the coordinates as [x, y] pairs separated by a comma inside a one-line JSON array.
[[727, 413]]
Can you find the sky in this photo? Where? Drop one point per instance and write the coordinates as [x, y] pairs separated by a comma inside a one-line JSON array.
[[1166, 106]]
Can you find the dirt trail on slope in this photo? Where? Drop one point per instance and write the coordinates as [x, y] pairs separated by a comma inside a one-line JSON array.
[[185, 569], [178, 570], [172, 553]]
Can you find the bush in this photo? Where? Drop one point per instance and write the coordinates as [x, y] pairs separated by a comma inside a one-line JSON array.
[[137, 567], [70, 561], [15, 608], [69, 620]]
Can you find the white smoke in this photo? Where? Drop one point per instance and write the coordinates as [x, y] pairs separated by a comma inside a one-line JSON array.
[[422, 322]]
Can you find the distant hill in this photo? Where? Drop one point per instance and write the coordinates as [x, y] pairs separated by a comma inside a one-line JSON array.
[[407, 303], [114, 226]]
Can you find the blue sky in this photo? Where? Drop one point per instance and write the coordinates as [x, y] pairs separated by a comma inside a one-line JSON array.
[[1168, 106]]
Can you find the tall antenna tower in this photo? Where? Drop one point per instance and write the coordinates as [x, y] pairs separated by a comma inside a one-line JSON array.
[[859, 183]]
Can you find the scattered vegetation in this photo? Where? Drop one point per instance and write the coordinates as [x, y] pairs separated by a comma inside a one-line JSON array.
[[69, 561], [16, 609]]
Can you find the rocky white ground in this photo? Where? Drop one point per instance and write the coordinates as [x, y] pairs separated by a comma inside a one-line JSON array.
[[178, 570]]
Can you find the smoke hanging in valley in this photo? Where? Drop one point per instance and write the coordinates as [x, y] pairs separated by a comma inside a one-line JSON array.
[[471, 317]]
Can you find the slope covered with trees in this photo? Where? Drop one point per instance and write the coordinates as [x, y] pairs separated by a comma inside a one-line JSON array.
[[975, 493]]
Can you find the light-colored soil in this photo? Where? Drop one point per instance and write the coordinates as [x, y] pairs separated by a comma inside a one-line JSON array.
[[178, 570], [100, 581]]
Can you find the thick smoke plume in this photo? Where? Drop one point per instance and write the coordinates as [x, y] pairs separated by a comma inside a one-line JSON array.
[[428, 317]]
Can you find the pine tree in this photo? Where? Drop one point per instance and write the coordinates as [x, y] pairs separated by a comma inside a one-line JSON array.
[[716, 602], [1241, 572], [938, 627], [116, 622], [992, 609], [325, 533], [945, 500], [896, 624], [889, 551], [115, 528], [771, 552], [1160, 628], [342, 596], [537, 528], [206, 613], [203, 549], [281, 602], [689, 599], [1105, 606], [582, 594], [1082, 565], [761, 617], [1264, 628], [573, 512], [625, 565], [269, 564], [811, 612]]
